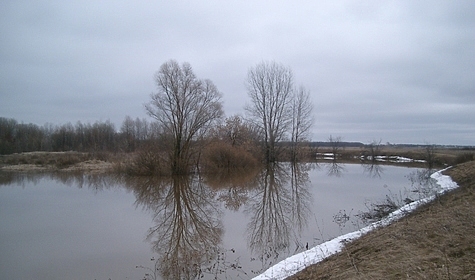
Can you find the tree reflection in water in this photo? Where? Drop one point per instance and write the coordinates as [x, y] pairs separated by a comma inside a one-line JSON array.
[[187, 231], [301, 197], [188, 228], [278, 212], [422, 184], [373, 168], [233, 186], [335, 168]]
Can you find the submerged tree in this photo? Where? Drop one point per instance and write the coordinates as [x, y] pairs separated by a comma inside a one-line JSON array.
[[277, 109], [335, 145], [302, 120], [270, 87], [186, 107]]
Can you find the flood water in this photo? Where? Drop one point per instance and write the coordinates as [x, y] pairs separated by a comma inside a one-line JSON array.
[[231, 226]]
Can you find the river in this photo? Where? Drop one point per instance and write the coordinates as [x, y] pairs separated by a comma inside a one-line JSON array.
[[231, 226]]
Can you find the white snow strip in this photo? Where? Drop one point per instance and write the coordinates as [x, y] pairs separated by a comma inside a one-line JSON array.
[[325, 154], [297, 262], [395, 159]]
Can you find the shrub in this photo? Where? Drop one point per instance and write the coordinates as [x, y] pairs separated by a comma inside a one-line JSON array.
[[221, 156], [379, 210], [148, 161]]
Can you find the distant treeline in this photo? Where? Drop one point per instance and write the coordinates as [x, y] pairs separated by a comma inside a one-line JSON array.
[[133, 134], [18, 137], [340, 144]]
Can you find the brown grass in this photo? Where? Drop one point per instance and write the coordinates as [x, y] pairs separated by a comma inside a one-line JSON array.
[[146, 162], [435, 242], [53, 161]]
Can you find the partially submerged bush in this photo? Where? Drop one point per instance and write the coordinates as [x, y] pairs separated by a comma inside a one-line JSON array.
[[148, 161], [222, 156], [379, 210]]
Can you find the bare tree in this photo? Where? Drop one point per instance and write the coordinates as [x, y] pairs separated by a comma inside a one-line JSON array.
[[128, 131], [185, 107], [374, 149], [302, 119], [335, 145], [234, 131], [429, 155], [270, 87]]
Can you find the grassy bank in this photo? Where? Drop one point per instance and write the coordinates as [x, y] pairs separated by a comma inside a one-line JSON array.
[[147, 161], [59, 161], [439, 156], [437, 241]]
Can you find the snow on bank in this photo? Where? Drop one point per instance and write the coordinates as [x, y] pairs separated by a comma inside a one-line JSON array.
[[295, 263], [394, 159]]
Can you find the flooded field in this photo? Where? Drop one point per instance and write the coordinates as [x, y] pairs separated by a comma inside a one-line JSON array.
[[232, 226]]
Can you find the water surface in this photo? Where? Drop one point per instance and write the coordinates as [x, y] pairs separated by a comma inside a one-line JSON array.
[[234, 226]]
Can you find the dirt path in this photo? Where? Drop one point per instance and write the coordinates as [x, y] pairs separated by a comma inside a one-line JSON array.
[[436, 241]]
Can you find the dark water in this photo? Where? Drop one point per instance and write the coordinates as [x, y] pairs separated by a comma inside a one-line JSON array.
[[231, 226]]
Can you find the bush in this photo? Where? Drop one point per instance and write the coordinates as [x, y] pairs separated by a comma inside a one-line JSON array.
[[222, 156], [378, 211], [146, 162]]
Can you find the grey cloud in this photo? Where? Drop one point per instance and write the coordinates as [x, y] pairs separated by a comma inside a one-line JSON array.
[[400, 71]]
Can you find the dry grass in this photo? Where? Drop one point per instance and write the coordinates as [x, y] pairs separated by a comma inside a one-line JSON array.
[[53, 161], [435, 242], [146, 162]]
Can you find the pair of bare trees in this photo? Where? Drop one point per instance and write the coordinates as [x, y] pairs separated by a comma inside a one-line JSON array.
[[279, 109], [186, 107]]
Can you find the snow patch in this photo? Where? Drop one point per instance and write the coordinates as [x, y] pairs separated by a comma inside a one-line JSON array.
[[394, 159]]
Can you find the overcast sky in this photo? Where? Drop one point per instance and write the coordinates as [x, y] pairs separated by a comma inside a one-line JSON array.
[[399, 71]]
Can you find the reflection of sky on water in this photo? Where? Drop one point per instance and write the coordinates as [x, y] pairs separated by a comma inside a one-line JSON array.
[[234, 229], [52, 231]]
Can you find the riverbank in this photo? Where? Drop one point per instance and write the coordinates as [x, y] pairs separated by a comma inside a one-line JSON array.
[[59, 161], [103, 162], [436, 241]]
